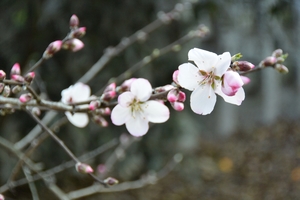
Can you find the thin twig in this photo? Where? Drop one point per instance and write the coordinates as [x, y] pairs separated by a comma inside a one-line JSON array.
[[31, 184]]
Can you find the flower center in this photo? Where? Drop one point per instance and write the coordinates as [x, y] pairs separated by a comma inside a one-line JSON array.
[[209, 78], [135, 108]]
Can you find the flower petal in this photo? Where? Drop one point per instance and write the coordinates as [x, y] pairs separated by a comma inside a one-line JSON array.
[[203, 100], [120, 115], [222, 64], [189, 76], [204, 60], [125, 99], [155, 111], [76, 93], [237, 99], [78, 119], [137, 126], [142, 89]]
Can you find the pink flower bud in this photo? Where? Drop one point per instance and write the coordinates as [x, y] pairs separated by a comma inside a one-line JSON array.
[[269, 61], [108, 95], [2, 75], [181, 96], [175, 77], [101, 168], [15, 69], [74, 21], [36, 111], [94, 104], [172, 95], [24, 98], [83, 168], [111, 181], [100, 120], [78, 33], [126, 85], [105, 111], [17, 78], [281, 68], [6, 91], [245, 79], [29, 77], [231, 83], [277, 53], [110, 87], [1, 197], [242, 65], [178, 106], [52, 48], [73, 44]]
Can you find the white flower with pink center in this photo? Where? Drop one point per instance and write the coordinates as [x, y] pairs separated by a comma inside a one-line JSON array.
[[74, 94], [135, 110], [207, 78]]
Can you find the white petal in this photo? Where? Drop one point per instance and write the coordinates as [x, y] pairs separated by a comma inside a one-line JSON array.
[[78, 119], [125, 99], [231, 83], [205, 60], [189, 76], [222, 64], [137, 126], [142, 89], [120, 115], [78, 92], [237, 99], [203, 100], [155, 111]]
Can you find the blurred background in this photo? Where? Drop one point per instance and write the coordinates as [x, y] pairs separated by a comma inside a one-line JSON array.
[[237, 152]]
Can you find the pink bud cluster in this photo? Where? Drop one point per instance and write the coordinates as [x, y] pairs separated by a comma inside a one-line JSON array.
[[83, 168], [275, 61]]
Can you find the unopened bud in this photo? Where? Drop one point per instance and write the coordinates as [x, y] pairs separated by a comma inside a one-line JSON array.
[[36, 111], [16, 89], [101, 168], [24, 98], [281, 68], [52, 48], [94, 104], [15, 69], [100, 120], [6, 91], [277, 53], [111, 181], [125, 86], [78, 33], [269, 61], [1, 87], [172, 96], [83, 168], [74, 21], [73, 44], [181, 96], [105, 111], [2, 75], [29, 77], [110, 87], [242, 66], [17, 78], [178, 106], [175, 77], [1, 197]]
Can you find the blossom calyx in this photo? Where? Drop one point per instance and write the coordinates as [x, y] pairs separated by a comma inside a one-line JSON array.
[[78, 33], [6, 91], [269, 61], [16, 89], [83, 168]]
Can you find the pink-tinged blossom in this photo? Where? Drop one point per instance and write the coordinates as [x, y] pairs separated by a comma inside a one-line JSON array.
[[24, 98], [175, 76], [52, 48], [16, 69], [74, 21], [76, 93], [245, 79], [205, 79], [135, 110], [178, 106], [2, 75], [231, 83], [83, 168]]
